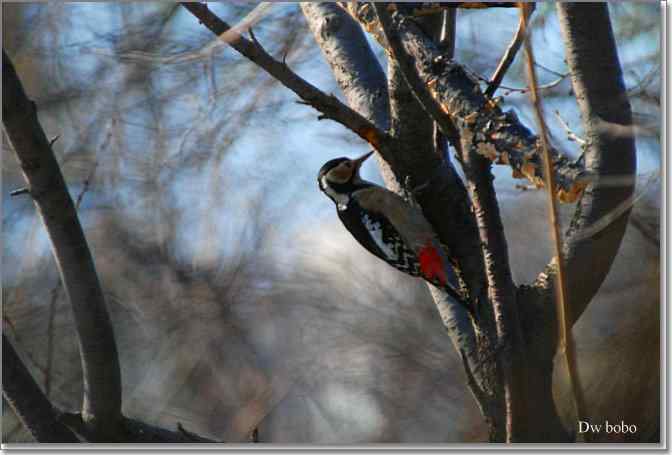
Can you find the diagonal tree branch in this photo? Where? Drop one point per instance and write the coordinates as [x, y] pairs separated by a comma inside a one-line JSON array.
[[328, 105], [29, 402], [600, 92], [48, 424], [101, 408], [509, 54], [130, 431]]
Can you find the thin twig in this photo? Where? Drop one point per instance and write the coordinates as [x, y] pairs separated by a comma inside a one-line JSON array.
[[571, 135], [509, 89], [19, 341], [509, 55], [545, 68], [20, 191], [617, 212], [565, 338]]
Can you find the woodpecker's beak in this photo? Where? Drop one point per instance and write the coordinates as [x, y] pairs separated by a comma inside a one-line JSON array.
[[359, 161]]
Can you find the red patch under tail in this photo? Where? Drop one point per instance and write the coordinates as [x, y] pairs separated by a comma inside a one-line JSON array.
[[431, 264]]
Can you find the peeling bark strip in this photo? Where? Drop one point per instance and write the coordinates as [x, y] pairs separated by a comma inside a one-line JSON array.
[[499, 136], [101, 408], [28, 401]]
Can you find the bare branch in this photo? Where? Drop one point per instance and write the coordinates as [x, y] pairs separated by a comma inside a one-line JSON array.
[[19, 191], [29, 402], [131, 431], [329, 106], [571, 135], [501, 290], [509, 54], [101, 407]]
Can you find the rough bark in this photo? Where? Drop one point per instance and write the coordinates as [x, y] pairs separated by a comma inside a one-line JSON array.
[[28, 401], [101, 408], [502, 138]]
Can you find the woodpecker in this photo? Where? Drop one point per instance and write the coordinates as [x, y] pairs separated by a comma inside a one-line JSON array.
[[386, 225]]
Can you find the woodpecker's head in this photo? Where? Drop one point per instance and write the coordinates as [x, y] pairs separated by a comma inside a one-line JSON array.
[[340, 176]]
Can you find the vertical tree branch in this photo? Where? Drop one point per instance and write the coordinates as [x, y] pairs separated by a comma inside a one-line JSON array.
[[597, 79], [101, 408], [29, 402], [501, 290], [446, 42], [416, 129]]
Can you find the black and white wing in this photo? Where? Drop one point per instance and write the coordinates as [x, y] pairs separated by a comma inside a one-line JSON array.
[[379, 236]]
